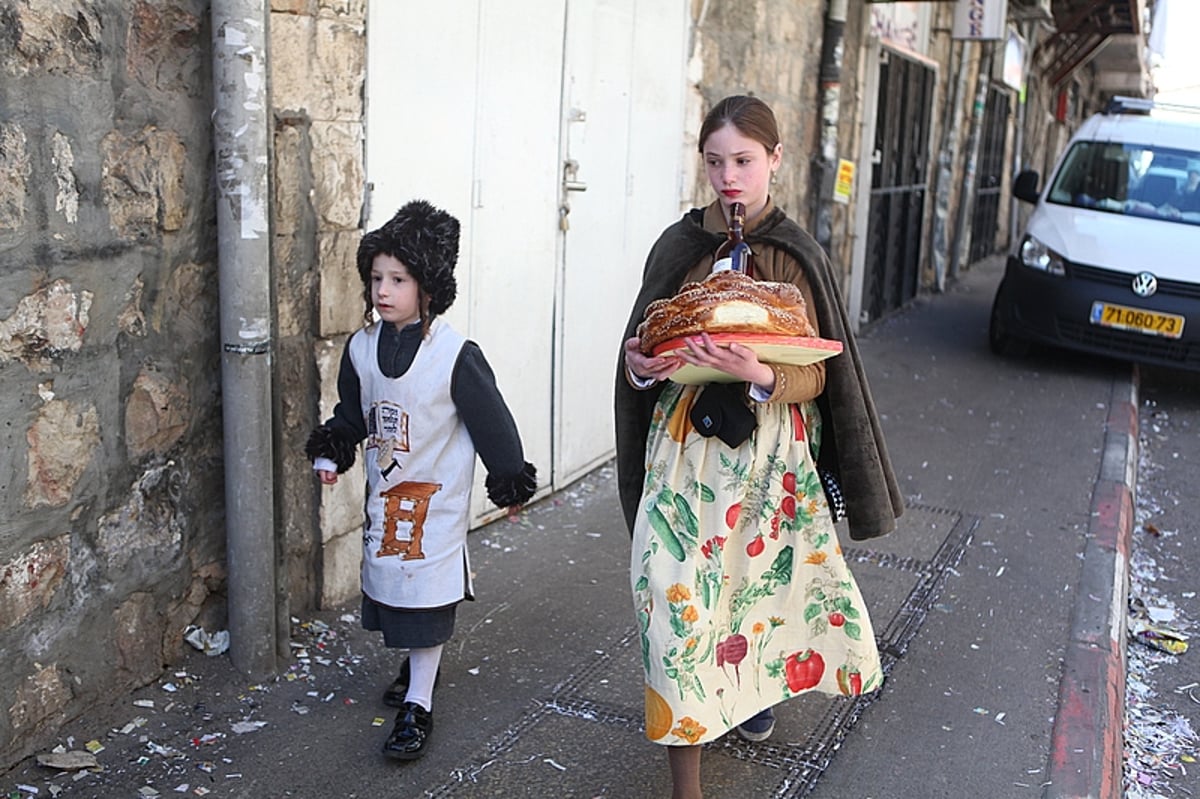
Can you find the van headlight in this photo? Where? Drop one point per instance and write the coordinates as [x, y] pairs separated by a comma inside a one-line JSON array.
[[1037, 255]]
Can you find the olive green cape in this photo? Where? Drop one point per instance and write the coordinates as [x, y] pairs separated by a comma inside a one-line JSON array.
[[852, 446]]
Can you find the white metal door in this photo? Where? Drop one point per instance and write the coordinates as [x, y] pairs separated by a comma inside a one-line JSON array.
[[477, 106], [463, 110], [623, 92]]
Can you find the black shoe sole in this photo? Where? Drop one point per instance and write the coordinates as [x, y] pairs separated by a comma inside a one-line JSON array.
[[405, 756]]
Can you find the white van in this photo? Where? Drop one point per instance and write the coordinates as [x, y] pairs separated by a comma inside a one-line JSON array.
[[1109, 261]]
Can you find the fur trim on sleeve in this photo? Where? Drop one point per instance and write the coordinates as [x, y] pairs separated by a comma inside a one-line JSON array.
[[505, 492], [324, 442]]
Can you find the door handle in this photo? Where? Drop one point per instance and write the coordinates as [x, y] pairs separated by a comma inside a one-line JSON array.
[[570, 171]]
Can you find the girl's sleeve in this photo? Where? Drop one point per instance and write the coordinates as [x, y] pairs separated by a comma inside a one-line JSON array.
[[795, 383], [511, 479], [337, 439]]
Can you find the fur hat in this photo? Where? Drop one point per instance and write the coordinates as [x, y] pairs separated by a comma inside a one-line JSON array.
[[425, 240]]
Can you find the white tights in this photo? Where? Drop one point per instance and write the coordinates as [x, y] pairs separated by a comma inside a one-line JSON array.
[[423, 669]]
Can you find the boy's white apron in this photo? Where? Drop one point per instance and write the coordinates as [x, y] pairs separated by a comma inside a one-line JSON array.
[[420, 462]]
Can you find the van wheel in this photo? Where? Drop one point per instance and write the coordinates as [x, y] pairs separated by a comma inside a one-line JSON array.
[[1000, 340]]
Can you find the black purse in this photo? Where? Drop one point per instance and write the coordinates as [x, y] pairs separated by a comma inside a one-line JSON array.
[[829, 482], [721, 411], [833, 494]]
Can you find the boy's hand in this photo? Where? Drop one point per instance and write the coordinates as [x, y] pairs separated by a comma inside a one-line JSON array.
[[327, 477]]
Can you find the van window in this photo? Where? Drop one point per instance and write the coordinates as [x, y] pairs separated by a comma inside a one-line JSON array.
[[1133, 179]]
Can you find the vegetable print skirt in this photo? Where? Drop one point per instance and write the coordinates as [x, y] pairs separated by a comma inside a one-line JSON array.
[[742, 596]]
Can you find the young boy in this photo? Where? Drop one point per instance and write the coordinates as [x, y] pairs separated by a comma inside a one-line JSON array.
[[425, 402]]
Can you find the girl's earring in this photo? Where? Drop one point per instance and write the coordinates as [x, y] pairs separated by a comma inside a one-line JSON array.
[[774, 178]]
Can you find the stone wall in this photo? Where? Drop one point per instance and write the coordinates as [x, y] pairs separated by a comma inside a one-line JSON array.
[[318, 68], [112, 535], [113, 538], [772, 50]]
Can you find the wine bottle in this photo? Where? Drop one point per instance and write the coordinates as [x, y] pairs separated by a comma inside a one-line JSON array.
[[734, 253]]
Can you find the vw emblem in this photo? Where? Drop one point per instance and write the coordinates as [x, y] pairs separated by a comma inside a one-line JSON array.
[[1144, 284]]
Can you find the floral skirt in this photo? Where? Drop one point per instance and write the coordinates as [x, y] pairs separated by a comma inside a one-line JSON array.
[[742, 596]]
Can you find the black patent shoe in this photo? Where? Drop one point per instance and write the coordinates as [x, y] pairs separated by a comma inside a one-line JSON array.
[[413, 726], [397, 692]]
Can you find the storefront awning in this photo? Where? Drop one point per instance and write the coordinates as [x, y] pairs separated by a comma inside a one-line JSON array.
[[1108, 30]]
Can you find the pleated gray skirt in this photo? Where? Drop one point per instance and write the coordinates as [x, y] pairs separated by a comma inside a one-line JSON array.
[[409, 629]]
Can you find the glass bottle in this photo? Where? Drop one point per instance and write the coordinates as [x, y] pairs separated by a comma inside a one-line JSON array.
[[734, 253]]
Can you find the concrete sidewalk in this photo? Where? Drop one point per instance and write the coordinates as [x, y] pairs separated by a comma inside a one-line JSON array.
[[998, 604]]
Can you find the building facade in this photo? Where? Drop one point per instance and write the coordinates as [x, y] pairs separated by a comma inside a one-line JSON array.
[[561, 132]]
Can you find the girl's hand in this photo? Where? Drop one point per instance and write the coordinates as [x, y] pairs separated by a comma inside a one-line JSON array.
[[733, 359], [327, 477], [646, 367]]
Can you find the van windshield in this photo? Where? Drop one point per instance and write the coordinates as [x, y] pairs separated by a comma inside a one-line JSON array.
[[1134, 179]]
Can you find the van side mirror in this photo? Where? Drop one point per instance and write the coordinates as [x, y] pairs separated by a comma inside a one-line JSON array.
[[1025, 187]]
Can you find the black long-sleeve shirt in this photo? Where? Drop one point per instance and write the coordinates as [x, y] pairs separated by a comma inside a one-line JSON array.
[[473, 389]]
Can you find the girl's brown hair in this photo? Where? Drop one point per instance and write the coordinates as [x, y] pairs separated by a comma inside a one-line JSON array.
[[751, 116]]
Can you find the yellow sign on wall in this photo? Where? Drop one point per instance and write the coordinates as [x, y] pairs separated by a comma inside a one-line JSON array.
[[844, 182]]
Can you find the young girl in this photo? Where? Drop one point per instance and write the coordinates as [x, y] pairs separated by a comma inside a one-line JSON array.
[[742, 596], [425, 401]]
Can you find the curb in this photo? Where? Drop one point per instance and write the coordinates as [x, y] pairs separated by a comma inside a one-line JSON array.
[[1086, 747]]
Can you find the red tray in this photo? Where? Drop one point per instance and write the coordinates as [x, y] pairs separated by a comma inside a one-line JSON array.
[[794, 350]]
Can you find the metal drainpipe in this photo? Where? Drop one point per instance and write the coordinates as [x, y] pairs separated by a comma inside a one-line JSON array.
[[833, 47], [947, 155], [240, 142], [1019, 160], [966, 196]]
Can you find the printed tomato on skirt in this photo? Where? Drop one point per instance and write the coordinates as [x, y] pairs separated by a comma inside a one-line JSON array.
[[742, 596]]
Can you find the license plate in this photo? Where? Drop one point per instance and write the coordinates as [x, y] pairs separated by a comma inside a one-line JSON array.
[[1136, 319]]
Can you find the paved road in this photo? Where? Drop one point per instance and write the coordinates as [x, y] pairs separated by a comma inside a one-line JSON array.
[[541, 696]]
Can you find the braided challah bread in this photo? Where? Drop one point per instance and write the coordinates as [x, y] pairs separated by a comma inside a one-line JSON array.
[[726, 302]]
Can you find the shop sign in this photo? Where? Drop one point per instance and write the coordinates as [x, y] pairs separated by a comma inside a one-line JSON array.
[[980, 19]]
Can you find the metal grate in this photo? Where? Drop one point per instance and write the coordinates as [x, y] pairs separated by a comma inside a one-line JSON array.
[[1173, 288], [1124, 344], [800, 765], [988, 188], [899, 181]]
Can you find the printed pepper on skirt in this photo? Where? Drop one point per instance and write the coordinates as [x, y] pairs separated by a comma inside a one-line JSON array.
[[742, 596]]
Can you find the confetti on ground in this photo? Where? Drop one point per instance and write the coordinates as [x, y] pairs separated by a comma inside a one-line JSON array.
[[67, 761], [211, 644], [1158, 741]]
